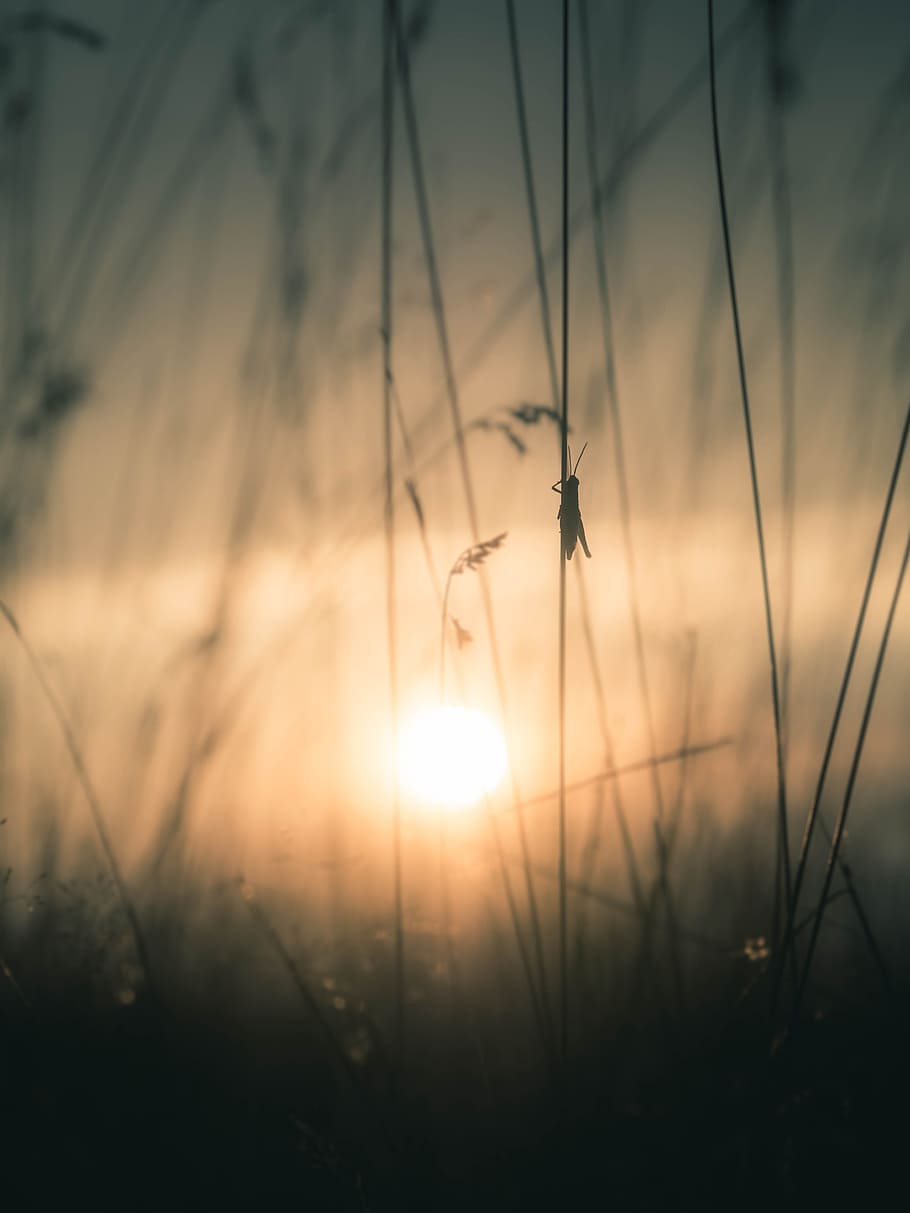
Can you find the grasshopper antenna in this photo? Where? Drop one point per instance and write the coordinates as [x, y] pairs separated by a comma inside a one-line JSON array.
[[578, 460]]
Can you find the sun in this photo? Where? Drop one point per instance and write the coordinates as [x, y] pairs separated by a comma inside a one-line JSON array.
[[450, 756]]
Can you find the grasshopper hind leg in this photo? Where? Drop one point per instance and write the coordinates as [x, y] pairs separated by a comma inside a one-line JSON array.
[[581, 536]]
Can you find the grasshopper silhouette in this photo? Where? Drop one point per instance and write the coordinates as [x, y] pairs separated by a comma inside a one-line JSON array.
[[571, 527]]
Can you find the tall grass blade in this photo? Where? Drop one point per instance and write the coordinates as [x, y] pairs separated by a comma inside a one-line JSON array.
[[841, 825], [454, 404], [813, 817], [783, 847], [388, 115]]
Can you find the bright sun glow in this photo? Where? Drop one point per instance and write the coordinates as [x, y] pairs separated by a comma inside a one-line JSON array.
[[450, 756]]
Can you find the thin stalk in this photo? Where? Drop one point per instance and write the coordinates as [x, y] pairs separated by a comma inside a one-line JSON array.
[[26, 194], [540, 270], [462, 1006], [782, 831], [841, 825], [673, 826], [666, 839], [556, 395], [627, 908], [635, 886], [625, 509], [454, 404], [813, 817], [91, 797], [564, 453], [442, 638], [780, 193], [411, 489], [540, 1014], [589, 854], [388, 116], [629, 768], [611, 181], [108, 185], [444, 607], [531, 198]]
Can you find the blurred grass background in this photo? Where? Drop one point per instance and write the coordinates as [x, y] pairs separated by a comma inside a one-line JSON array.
[[191, 513]]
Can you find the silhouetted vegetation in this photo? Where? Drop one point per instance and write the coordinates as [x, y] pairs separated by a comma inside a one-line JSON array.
[[294, 301]]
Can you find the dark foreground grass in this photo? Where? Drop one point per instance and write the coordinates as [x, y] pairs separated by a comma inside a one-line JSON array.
[[213, 1102]]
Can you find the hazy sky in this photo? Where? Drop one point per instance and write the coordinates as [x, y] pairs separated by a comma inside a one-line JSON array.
[[190, 230], [187, 198]]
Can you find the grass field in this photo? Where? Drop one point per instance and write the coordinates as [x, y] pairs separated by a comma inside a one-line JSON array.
[[302, 306]]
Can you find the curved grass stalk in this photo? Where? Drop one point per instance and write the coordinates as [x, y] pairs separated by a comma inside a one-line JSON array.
[[88, 790]]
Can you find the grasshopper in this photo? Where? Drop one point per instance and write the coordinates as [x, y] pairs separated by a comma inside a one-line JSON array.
[[571, 527]]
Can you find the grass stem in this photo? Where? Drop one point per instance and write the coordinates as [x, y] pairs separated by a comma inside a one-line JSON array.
[[783, 848]]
